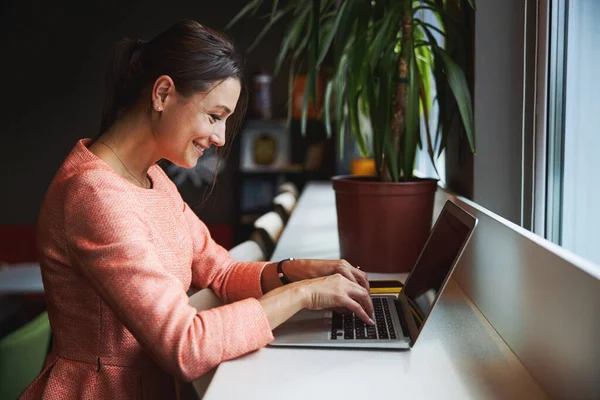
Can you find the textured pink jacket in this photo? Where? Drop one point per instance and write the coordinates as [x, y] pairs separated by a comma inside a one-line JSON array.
[[116, 262]]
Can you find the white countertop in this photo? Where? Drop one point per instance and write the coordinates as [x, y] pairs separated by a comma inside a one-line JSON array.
[[21, 278], [457, 356]]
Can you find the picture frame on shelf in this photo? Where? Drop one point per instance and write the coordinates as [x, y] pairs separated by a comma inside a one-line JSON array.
[[265, 146]]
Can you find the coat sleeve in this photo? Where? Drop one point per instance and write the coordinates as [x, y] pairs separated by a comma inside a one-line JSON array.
[[110, 244], [213, 267]]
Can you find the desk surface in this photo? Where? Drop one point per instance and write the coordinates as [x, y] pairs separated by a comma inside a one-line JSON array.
[[458, 355], [21, 278]]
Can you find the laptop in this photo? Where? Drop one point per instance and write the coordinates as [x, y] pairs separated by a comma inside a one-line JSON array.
[[398, 319]]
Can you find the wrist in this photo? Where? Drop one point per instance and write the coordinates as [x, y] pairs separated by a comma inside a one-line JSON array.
[[295, 269], [301, 292], [283, 277]]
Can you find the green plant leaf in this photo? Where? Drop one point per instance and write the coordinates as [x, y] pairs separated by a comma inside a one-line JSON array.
[[303, 44], [438, 11], [291, 85], [386, 33], [327, 106], [379, 89], [353, 112], [430, 27], [460, 89], [441, 84], [372, 87], [308, 88], [355, 81], [411, 134], [391, 156], [291, 37], [386, 96], [343, 36], [251, 5], [423, 96], [266, 29], [274, 8], [425, 66], [340, 91], [329, 38], [315, 33]]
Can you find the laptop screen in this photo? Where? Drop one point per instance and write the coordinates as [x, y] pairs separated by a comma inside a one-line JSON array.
[[435, 264]]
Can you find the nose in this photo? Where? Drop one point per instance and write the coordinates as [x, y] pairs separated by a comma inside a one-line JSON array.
[[218, 136]]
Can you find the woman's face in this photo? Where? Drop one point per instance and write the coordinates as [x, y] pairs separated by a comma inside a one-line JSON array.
[[186, 126]]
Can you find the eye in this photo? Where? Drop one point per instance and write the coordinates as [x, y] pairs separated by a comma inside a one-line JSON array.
[[215, 117]]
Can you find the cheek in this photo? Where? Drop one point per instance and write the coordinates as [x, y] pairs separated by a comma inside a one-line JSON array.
[[203, 127], [179, 126]]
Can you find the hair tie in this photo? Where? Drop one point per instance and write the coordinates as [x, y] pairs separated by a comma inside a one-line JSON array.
[[140, 45], [136, 53]]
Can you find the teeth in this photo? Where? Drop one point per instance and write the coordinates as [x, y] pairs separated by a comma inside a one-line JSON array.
[[197, 146]]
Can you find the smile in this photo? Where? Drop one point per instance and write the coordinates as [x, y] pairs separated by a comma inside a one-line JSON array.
[[199, 149]]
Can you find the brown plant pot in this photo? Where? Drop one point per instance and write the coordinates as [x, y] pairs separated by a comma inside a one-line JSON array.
[[383, 225]]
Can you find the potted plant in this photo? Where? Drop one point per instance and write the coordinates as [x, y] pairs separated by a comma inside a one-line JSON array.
[[388, 61]]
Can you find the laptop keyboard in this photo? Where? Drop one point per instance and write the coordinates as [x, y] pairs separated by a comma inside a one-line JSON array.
[[350, 327]]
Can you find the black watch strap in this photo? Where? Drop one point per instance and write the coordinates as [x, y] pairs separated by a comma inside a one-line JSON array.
[[284, 279]]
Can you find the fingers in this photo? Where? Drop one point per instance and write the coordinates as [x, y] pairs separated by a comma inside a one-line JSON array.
[[337, 291], [363, 297], [352, 273], [361, 278], [358, 310], [345, 271]]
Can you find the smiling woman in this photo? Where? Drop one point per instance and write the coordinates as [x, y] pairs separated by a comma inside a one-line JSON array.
[[178, 90], [119, 248]]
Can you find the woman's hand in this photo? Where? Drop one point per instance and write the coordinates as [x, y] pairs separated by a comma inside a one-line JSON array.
[[338, 292], [332, 291], [298, 270]]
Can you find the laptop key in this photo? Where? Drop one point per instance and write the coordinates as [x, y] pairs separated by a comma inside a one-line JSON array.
[[337, 321], [391, 329], [353, 328]]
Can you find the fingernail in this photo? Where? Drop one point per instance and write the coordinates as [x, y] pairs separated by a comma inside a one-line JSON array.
[[371, 322]]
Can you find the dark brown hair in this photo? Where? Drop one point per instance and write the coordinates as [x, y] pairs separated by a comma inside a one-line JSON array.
[[194, 56]]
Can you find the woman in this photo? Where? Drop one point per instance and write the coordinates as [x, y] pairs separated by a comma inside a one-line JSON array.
[[120, 248]]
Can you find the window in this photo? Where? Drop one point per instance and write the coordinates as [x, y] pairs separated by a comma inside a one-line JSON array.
[[573, 190]]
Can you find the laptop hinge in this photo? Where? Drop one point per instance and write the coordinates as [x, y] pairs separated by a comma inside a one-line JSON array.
[[406, 319], [403, 323]]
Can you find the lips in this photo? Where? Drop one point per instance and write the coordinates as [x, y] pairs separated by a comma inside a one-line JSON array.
[[199, 148]]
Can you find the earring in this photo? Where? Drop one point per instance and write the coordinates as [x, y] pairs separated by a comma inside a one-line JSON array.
[[158, 108]]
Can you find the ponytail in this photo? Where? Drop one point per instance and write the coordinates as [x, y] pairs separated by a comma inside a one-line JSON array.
[[123, 80]]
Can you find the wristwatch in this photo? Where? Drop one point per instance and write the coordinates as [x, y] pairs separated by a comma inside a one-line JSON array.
[[284, 279]]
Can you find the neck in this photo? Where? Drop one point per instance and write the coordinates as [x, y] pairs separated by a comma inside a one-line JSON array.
[[132, 140]]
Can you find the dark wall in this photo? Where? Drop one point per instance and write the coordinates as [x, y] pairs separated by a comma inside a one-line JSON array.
[[54, 56]]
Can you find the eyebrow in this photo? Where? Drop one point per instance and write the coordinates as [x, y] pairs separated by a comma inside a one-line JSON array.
[[224, 108]]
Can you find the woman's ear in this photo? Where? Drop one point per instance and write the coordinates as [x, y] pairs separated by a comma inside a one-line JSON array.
[[163, 92]]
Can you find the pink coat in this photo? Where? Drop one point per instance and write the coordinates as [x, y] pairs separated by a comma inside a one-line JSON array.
[[117, 261]]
